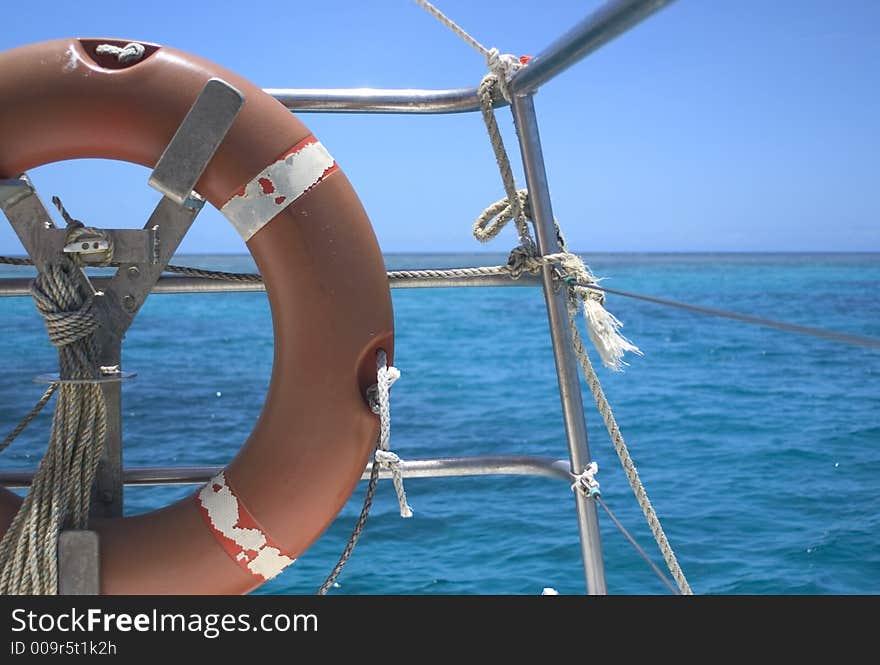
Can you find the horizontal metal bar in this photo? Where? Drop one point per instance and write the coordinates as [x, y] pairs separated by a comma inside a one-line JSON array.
[[442, 467], [461, 281], [596, 30], [378, 100], [20, 286]]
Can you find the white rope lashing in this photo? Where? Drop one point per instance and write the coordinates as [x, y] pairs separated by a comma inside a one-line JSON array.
[[382, 457], [131, 52], [386, 375]]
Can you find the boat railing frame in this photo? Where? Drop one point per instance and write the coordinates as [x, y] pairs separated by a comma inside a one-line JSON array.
[[595, 30]]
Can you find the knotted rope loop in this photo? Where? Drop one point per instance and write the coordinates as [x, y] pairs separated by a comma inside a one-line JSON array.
[[385, 377], [603, 327], [64, 299], [502, 67], [493, 219], [378, 397]]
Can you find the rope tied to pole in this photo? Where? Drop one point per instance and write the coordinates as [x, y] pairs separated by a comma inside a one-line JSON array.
[[386, 375], [60, 494], [380, 404], [602, 326]]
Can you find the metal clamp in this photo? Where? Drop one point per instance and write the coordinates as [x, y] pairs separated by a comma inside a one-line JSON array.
[[586, 482]]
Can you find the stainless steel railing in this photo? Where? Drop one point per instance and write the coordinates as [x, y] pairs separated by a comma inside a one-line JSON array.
[[442, 467], [597, 29], [20, 286]]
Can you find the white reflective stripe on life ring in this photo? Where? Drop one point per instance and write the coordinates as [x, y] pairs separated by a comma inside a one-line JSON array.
[[278, 185], [238, 531]]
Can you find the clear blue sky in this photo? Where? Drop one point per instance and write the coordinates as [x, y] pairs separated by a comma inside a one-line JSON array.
[[720, 125]]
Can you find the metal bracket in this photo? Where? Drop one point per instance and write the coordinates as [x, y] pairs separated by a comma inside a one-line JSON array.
[[142, 254], [45, 242], [197, 139], [106, 377], [142, 259], [87, 247]]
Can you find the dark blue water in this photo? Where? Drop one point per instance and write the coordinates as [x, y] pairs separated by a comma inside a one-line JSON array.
[[760, 449]]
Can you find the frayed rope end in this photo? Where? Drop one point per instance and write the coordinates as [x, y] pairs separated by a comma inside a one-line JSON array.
[[604, 330]]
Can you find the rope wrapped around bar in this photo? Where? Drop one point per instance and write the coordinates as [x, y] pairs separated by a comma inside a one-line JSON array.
[[60, 494]]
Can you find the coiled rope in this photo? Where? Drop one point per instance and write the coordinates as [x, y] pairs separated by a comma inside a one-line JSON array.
[[60, 493]]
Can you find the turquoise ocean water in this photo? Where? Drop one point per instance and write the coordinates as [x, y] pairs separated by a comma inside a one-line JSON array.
[[760, 449]]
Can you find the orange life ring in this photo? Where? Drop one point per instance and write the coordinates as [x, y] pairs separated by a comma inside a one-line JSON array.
[[325, 280]]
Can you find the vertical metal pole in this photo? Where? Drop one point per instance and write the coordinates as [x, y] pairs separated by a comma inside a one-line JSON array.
[[108, 489], [523, 109], [79, 563]]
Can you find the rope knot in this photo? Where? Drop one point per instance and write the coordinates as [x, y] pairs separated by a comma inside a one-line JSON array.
[[386, 375], [386, 458], [67, 307], [502, 67], [131, 52], [60, 493], [522, 260]]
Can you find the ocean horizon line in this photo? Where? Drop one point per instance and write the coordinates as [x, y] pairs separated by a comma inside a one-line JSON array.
[[599, 252]]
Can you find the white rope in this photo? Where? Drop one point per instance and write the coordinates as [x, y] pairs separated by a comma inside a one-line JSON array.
[[452, 25], [502, 66], [626, 461], [385, 377], [604, 327], [131, 52], [381, 405]]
